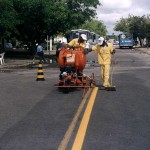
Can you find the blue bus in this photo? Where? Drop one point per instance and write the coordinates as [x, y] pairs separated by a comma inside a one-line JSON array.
[[126, 40]]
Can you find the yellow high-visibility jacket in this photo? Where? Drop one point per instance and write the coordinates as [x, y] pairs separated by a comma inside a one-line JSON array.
[[104, 53], [74, 42]]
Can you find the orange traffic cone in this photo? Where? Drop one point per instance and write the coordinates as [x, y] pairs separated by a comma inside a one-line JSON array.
[[40, 74]]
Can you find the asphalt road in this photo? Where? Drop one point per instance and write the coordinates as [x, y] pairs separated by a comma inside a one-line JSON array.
[[121, 120], [34, 115]]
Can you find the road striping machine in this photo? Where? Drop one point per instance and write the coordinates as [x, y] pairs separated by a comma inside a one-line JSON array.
[[72, 63]]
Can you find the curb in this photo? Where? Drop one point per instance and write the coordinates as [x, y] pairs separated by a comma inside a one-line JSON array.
[[17, 66], [143, 50], [27, 66]]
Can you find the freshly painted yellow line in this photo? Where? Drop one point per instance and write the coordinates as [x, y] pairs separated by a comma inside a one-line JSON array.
[[68, 134], [77, 145]]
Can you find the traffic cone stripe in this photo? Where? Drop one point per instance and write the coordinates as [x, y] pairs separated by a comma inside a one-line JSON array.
[[40, 65], [40, 76], [39, 68], [40, 79], [40, 71]]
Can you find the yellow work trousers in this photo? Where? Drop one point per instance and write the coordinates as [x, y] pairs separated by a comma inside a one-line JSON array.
[[105, 71]]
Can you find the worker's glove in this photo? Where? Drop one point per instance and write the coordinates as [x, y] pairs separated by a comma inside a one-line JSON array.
[[59, 49], [86, 50], [113, 52], [71, 47]]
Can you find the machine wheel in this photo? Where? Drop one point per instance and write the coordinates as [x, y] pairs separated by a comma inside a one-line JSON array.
[[66, 89], [92, 80]]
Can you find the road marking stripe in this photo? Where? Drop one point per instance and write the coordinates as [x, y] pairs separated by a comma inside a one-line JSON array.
[[77, 145], [68, 134]]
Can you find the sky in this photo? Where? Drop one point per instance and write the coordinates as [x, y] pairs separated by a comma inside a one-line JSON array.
[[112, 10]]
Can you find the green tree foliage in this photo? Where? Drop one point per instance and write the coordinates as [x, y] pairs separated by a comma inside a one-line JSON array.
[[122, 25], [139, 26], [32, 20], [80, 10], [7, 18], [37, 19], [95, 26]]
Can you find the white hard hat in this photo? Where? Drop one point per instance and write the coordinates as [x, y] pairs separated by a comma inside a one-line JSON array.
[[101, 40], [83, 36]]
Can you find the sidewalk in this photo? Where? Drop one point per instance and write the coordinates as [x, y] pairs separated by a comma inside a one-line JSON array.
[[14, 63], [24, 63], [143, 50]]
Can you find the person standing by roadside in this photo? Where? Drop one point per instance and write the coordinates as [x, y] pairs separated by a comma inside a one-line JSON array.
[[58, 48], [77, 42], [40, 53], [104, 51], [148, 44]]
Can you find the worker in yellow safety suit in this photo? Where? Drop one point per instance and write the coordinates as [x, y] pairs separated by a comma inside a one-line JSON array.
[[77, 42], [104, 51]]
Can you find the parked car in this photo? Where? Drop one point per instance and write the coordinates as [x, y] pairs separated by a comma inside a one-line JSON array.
[[116, 43]]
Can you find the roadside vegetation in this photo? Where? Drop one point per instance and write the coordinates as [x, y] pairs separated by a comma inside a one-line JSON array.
[[31, 21], [139, 26]]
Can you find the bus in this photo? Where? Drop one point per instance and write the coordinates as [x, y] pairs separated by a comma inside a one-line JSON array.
[[92, 37], [77, 32], [126, 40]]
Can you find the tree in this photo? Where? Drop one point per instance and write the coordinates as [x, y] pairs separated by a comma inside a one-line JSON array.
[[96, 26], [139, 26], [38, 19], [7, 20], [122, 25], [33, 20], [80, 11]]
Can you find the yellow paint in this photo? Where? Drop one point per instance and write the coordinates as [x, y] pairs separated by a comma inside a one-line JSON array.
[[77, 145], [68, 134]]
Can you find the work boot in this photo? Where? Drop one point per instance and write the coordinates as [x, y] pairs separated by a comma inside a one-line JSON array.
[[106, 84]]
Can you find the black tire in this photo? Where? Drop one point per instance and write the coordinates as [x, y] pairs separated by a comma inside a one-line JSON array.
[[66, 89]]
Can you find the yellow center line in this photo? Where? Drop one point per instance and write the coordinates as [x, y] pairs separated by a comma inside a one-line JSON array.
[[68, 134], [77, 145]]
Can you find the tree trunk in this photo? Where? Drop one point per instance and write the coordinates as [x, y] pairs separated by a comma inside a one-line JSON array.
[[141, 43]]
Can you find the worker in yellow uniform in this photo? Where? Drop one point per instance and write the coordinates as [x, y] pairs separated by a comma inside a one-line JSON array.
[[104, 51], [77, 42]]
